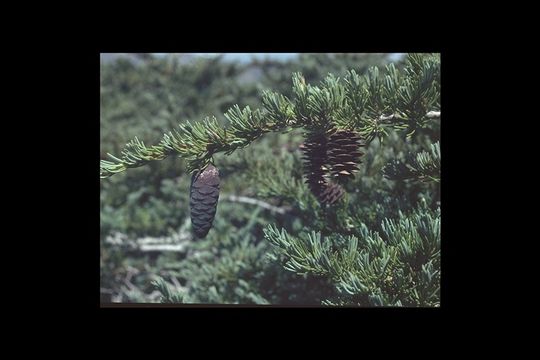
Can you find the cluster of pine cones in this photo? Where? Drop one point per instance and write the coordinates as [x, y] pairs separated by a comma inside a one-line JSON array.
[[330, 159]]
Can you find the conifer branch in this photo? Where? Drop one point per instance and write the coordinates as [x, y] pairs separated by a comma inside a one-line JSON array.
[[372, 268], [167, 296], [423, 166], [396, 117], [370, 104]]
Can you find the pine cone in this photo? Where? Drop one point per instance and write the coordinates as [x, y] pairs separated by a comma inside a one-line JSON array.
[[331, 155], [331, 194], [315, 160], [344, 154], [204, 195]]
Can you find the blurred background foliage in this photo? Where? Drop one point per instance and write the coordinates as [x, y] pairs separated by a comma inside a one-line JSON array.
[[146, 246]]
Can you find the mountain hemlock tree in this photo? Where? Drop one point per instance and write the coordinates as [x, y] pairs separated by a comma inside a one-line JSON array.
[[395, 264]]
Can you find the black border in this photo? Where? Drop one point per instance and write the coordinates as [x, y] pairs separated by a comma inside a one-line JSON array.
[[86, 256]]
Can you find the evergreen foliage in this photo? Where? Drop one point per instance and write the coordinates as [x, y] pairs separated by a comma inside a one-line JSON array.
[[397, 267], [372, 104], [168, 296], [423, 166], [272, 241]]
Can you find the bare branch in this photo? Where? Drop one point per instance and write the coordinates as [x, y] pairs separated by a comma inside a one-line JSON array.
[[177, 242], [260, 203], [433, 114], [429, 115]]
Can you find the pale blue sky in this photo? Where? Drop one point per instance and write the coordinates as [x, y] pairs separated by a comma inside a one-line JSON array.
[[246, 57]]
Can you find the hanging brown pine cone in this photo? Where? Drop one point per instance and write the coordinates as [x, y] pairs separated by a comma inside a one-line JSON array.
[[204, 195], [344, 154], [316, 169], [315, 162], [331, 155]]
